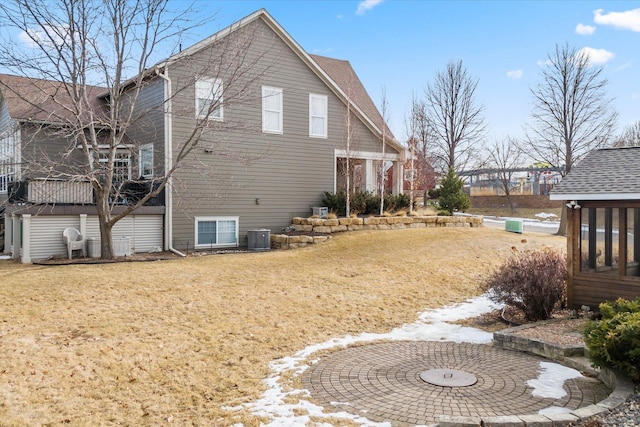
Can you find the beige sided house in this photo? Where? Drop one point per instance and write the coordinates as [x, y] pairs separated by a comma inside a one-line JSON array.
[[275, 139]]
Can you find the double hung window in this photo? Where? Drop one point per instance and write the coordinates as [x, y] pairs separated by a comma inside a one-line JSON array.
[[209, 99], [8, 155], [317, 115], [271, 109], [146, 161]]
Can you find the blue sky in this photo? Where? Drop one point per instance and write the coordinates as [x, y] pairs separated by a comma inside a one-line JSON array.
[[400, 45]]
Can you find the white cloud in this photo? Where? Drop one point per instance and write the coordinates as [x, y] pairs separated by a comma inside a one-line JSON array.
[[47, 36], [623, 67], [597, 56], [628, 20], [515, 74], [585, 30], [544, 63], [365, 5]]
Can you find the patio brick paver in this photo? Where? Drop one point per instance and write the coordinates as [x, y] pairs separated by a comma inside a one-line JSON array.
[[382, 383]]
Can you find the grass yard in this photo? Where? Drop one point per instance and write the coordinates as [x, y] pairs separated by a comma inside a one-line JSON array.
[[173, 342]]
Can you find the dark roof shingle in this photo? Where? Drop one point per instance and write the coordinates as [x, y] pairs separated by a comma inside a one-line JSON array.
[[44, 100], [604, 174], [346, 78]]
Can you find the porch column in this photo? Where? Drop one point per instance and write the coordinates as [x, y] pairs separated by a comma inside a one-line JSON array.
[[370, 176], [8, 228], [83, 225], [15, 236], [398, 178], [574, 225], [26, 239]]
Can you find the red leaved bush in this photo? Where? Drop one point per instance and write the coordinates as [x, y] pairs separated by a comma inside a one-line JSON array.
[[533, 282]]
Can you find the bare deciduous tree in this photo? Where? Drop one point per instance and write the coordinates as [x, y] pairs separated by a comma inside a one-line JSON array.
[[630, 136], [572, 111], [456, 117], [104, 50], [421, 145], [504, 157], [382, 170]]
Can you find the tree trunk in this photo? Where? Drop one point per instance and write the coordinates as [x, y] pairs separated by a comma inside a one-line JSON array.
[[562, 229], [106, 235], [106, 241], [508, 194]]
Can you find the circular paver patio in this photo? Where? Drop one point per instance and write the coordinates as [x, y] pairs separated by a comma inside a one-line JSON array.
[[382, 382]]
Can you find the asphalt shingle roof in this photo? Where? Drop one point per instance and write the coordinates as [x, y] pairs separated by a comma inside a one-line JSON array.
[[344, 75], [605, 174], [40, 100]]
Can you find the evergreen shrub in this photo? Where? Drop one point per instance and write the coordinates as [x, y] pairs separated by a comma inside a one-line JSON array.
[[614, 340]]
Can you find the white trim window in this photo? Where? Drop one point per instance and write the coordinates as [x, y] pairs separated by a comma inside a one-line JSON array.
[[209, 99], [8, 160], [121, 166], [145, 158], [271, 109], [216, 231], [317, 115]]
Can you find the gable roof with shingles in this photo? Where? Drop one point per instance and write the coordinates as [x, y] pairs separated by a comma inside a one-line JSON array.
[[48, 101], [337, 74], [345, 76], [604, 174], [43, 101]]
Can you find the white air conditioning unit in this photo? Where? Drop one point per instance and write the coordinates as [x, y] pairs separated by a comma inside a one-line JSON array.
[[321, 212], [122, 246], [259, 240]]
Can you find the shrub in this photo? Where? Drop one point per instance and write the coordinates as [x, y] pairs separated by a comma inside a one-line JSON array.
[[434, 193], [452, 198], [363, 202], [532, 282], [614, 341], [335, 202]]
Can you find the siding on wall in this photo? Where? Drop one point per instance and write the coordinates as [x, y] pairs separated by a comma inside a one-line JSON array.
[[145, 232], [148, 233], [236, 163], [5, 119], [148, 125], [39, 144], [46, 234]]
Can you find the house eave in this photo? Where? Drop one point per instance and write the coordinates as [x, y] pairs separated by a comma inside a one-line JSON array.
[[595, 196]]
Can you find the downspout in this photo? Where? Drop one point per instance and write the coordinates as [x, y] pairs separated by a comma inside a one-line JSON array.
[[168, 162]]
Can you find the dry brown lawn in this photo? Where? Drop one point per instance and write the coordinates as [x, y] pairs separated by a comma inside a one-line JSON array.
[[176, 341]]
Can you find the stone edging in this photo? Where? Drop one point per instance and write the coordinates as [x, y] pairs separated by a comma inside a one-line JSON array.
[[325, 227], [574, 357], [319, 225]]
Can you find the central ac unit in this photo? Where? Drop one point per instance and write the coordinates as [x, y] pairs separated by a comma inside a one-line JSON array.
[[259, 240]]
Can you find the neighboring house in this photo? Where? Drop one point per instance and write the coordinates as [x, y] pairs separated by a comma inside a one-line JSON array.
[[603, 229], [272, 145]]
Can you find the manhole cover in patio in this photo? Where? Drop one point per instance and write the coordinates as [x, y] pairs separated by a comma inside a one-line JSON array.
[[384, 382], [448, 377]]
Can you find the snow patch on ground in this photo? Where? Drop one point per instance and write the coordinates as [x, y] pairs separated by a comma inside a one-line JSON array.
[[551, 378], [546, 215], [537, 223], [432, 325]]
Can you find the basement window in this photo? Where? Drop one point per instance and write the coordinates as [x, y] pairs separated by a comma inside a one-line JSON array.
[[213, 232]]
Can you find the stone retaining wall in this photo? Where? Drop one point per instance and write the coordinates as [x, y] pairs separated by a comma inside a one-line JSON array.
[[325, 227]]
